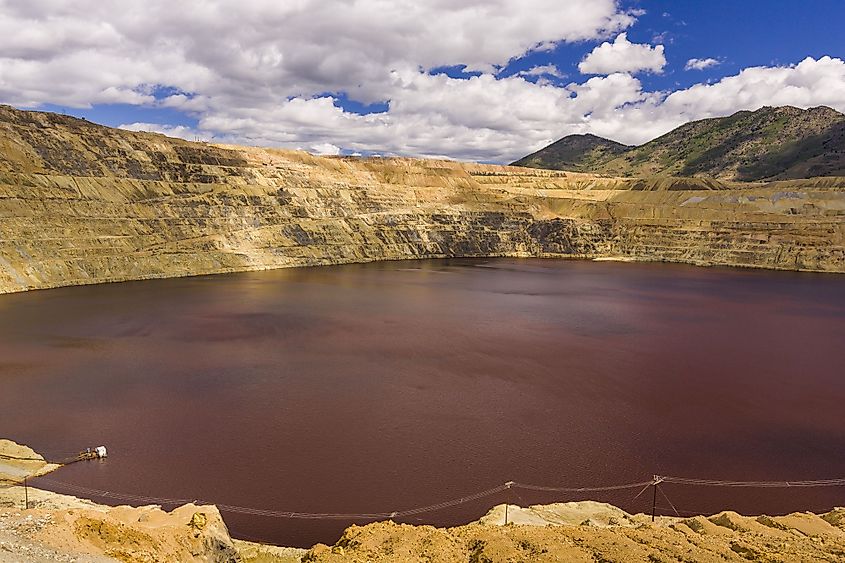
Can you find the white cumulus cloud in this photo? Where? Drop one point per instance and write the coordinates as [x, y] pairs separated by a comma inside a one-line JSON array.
[[178, 131], [252, 50], [623, 56], [325, 149], [543, 70], [269, 73], [700, 64]]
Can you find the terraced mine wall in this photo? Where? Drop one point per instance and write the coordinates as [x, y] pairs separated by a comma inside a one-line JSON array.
[[82, 203]]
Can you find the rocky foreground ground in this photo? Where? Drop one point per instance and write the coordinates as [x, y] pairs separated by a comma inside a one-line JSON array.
[[62, 528]]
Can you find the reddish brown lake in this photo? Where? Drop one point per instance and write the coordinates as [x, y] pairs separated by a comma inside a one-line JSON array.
[[380, 387]]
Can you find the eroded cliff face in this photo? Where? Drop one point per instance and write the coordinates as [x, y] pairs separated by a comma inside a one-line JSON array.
[[82, 203]]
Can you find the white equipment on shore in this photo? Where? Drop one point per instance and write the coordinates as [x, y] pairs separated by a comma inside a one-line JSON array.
[[96, 453]]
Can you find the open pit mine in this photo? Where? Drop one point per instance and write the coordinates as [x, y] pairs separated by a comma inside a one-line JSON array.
[[82, 203]]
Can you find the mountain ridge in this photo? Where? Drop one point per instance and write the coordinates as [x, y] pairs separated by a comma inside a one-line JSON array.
[[578, 152], [771, 143]]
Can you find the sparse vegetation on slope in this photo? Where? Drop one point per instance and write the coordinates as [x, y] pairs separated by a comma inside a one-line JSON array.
[[771, 143], [580, 153]]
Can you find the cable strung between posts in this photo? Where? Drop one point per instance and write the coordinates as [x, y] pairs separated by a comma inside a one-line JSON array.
[[455, 502], [335, 516], [115, 496], [760, 484], [439, 506], [582, 489], [278, 513], [369, 516]]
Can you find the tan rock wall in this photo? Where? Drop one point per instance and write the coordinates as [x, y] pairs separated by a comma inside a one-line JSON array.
[[81, 203]]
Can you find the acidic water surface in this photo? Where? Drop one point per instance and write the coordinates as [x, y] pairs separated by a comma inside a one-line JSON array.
[[381, 387]]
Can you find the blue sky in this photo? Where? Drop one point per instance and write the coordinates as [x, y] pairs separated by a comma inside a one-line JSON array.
[[739, 33], [423, 79]]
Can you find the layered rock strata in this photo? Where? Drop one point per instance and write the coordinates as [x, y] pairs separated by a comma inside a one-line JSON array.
[[82, 203]]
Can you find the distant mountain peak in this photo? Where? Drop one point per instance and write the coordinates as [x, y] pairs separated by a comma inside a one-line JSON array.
[[578, 152], [772, 142]]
